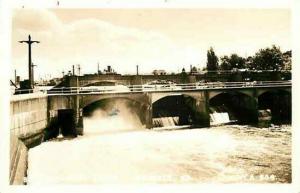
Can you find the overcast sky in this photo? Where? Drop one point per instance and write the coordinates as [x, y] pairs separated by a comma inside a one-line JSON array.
[[167, 39]]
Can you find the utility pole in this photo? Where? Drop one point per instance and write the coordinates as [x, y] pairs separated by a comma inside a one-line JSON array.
[[15, 77], [137, 69], [78, 69], [77, 81], [30, 76], [73, 67], [32, 73]]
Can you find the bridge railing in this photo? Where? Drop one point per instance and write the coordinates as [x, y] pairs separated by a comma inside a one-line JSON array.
[[26, 91], [157, 87]]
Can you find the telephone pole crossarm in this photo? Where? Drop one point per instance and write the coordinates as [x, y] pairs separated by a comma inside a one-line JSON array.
[[30, 72]]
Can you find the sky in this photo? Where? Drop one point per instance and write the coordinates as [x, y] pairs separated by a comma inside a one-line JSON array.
[[154, 3], [168, 39]]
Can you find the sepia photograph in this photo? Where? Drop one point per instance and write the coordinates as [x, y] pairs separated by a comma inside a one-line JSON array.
[[139, 96]]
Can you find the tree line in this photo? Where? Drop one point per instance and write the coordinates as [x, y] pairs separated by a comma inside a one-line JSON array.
[[270, 58]]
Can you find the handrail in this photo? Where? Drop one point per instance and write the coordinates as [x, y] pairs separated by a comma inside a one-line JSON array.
[[156, 88]]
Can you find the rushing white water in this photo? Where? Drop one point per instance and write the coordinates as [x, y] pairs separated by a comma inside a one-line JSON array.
[[219, 118], [216, 118], [117, 149], [165, 121], [123, 121]]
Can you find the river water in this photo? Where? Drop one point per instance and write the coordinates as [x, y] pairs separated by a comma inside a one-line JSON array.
[[117, 149]]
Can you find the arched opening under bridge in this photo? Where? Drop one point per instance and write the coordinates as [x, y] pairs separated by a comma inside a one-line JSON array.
[[178, 110], [280, 104], [113, 115], [239, 107]]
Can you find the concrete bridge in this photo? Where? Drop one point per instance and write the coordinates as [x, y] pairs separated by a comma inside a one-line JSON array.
[[37, 117], [192, 103]]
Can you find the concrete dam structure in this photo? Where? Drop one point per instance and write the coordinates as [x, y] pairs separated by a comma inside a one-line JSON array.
[[39, 117]]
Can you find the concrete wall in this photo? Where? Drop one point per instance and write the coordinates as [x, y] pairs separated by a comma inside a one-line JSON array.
[[178, 78], [74, 81], [28, 118]]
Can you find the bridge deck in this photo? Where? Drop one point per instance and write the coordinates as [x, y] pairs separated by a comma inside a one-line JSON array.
[[150, 88], [167, 88]]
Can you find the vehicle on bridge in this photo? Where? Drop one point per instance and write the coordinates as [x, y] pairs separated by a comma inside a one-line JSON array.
[[116, 88], [156, 85], [161, 85], [214, 85], [164, 86]]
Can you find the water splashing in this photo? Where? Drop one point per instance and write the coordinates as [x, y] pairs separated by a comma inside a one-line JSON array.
[[115, 117], [219, 118], [165, 121]]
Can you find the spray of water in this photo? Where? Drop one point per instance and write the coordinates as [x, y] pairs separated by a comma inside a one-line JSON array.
[[116, 116], [218, 118]]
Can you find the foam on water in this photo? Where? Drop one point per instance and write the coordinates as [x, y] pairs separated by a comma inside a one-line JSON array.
[[165, 121], [219, 118], [111, 152]]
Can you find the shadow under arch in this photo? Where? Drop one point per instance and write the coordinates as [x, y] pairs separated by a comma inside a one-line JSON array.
[[240, 107], [181, 108], [280, 104]]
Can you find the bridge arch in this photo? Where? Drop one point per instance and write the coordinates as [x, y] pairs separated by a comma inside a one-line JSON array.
[[279, 102], [123, 107], [159, 96], [264, 90], [179, 109], [240, 106], [89, 99], [214, 93]]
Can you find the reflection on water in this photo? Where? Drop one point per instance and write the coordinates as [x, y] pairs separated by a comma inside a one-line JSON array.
[[117, 149]]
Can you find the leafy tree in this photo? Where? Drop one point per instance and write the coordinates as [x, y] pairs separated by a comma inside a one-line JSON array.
[[237, 61], [268, 59], [287, 60], [212, 60], [194, 70], [225, 63], [249, 63], [234, 61]]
